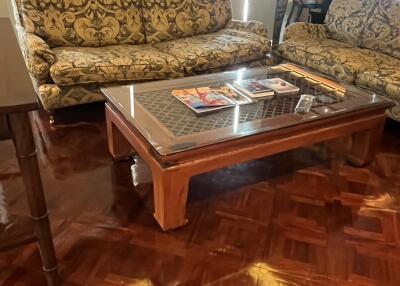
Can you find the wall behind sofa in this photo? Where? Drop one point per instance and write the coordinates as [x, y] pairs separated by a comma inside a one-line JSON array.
[[261, 10]]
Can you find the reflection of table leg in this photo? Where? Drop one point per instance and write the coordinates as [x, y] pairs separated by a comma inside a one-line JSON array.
[[365, 144], [170, 196], [26, 152], [117, 144]]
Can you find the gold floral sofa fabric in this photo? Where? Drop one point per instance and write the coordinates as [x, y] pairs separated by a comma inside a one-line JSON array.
[[373, 24], [338, 59], [359, 44], [37, 53], [382, 29], [173, 19], [253, 26], [83, 65], [346, 19], [74, 47], [92, 23], [223, 48], [386, 81]]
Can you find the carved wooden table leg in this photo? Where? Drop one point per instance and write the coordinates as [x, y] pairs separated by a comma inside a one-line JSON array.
[[21, 131], [170, 196], [365, 144]]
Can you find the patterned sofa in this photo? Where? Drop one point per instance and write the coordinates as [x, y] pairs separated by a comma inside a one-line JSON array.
[[359, 44], [73, 47]]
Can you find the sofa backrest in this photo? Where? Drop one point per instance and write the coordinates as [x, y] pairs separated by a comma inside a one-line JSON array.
[[346, 19], [382, 30], [171, 19], [373, 24], [90, 23]]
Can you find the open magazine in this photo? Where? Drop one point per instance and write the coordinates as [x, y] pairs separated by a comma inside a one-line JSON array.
[[206, 99]]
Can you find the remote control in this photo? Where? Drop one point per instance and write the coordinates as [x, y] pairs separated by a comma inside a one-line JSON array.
[[305, 103]]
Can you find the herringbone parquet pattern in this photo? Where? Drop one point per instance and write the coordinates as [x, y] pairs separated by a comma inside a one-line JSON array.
[[299, 218]]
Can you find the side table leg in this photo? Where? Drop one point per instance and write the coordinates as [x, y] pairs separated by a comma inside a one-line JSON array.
[[170, 197], [25, 147], [365, 144]]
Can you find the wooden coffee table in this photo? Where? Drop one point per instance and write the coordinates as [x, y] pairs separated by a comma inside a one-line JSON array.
[[177, 144]]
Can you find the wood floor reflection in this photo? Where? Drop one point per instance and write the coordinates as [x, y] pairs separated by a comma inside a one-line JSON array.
[[303, 217]]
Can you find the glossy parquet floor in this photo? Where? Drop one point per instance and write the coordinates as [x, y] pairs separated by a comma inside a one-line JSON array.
[[303, 217]]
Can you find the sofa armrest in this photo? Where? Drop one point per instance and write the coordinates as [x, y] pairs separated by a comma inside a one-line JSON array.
[[37, 54], [253, 26], [305, 30]]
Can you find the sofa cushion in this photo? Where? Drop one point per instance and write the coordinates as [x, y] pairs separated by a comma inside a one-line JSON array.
[[384, 81], [91, 23], [328, 56], [373, 24], [345, 20], [223, 48], [54, 96], [337, 59], [167, 20], [82, 65], [305, 31], [382, 29]]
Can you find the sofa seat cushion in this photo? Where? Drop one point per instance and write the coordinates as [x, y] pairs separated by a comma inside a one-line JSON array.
[[383, 81], [223, 48], [337, 59], [326, 55], [82, 65], [54, 96], [386, 82]]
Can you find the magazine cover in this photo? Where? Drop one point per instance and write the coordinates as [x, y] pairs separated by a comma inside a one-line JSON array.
[[253, 89], [234, 94], [202, 99], [252, 86]]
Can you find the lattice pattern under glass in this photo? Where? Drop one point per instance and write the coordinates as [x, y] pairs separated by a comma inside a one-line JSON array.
[[181, 121]]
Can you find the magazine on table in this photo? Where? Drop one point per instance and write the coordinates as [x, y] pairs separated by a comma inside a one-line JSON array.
[[265, 88], [234, 94], [254, 89], [202, 99], [279, 85], [206, 99]]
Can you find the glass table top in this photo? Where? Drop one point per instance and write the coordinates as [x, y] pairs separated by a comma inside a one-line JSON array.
[[171, 127]]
